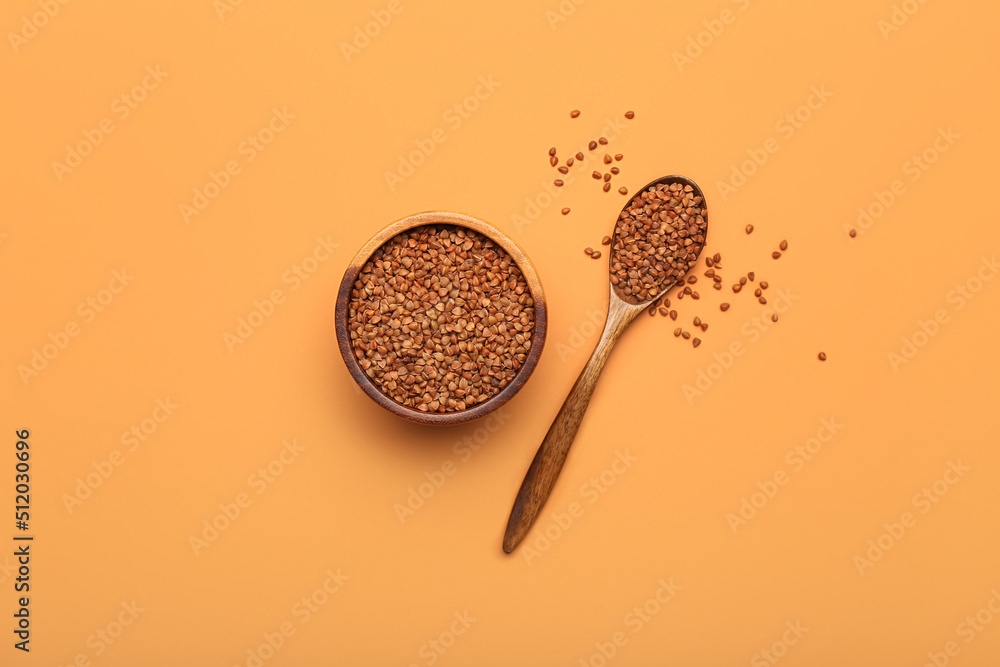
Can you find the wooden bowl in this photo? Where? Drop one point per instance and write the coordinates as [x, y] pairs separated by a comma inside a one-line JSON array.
[[344, 297]]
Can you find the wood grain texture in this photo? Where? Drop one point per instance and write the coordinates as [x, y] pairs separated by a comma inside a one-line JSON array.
[[343, 303], [551, 455]]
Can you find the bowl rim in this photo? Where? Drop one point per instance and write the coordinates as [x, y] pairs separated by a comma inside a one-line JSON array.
[[534, 287]]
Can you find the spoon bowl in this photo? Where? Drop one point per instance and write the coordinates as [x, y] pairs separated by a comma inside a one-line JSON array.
[[622, 309]]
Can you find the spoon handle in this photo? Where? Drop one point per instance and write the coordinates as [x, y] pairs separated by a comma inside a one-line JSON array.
[[551, 455]]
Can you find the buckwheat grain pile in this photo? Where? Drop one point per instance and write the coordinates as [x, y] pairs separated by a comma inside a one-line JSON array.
[[441, 318], [657, 241]]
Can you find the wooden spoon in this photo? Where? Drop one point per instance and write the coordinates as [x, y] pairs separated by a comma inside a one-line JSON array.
[[551, 455]]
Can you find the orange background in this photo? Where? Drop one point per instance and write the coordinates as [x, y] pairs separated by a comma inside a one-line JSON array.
[[333, 505]]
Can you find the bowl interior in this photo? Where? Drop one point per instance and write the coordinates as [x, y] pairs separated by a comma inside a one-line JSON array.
[[344, 299]]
